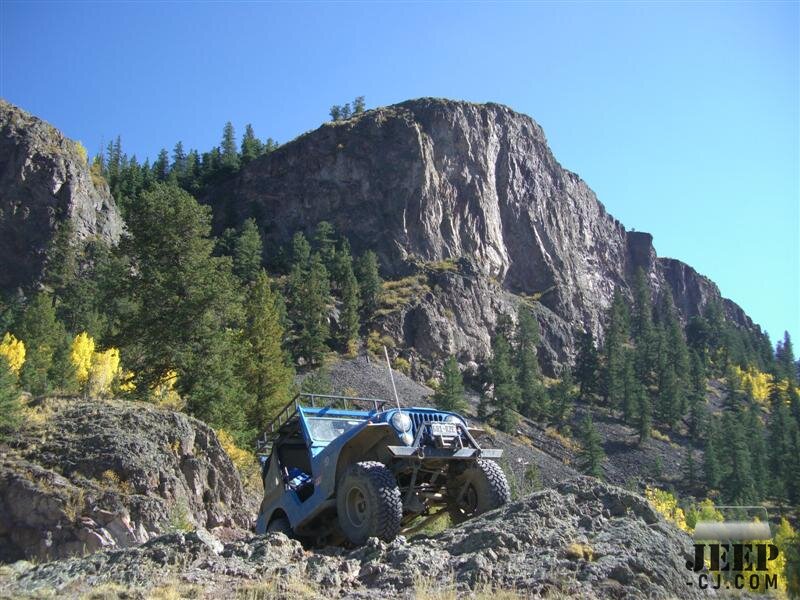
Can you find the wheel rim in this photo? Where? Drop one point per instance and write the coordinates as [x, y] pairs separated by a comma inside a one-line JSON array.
[[356, 506]]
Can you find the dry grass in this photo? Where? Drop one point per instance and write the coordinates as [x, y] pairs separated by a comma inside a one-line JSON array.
[[437, 588], [578, 551], [73, 507], [657, 435], [401, 292], [38, 416], [562, 439], [109, 479], [292, 587], [441, 266], [106, 591], [174, 591]]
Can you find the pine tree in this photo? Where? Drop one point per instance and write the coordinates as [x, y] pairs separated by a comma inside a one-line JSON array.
[[178, 161], [677, 354], [359, 105], [503, 375], [630, 403], [43, 335], [213, 385], [642, 318], [644, 413], [697, 397], [754, 437], [784, 358], [179, 297], [534, 399], [161, 166], [562, 399], [591, 454], [691, 472], [190, 180], [587, 366], [309, 296], [325, 244], [247, 249], [615, 354], [735, 398], [667, 409], [792, 473], [251, 145], [737, 485], [9, 398], [711, 458], [450, 393], [780, 446], [268, 372], [301, 252], [229, 156], [349, 323], [369, 283]]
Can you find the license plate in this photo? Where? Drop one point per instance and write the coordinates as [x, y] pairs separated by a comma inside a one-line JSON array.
[[444, 429]]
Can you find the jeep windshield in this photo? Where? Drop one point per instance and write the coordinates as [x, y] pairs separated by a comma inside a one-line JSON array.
[[327, 429]]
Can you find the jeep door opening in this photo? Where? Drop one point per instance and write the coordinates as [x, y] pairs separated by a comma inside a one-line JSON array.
[[334, 473]]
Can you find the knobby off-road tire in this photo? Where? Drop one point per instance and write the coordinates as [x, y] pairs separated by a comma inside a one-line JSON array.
[[368, 503], [481, 487]]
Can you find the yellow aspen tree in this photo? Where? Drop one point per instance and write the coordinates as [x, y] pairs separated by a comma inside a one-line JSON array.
[[667, 505], [14, 352], [164, 392], [103, 372], [126, 384], [81, 356]]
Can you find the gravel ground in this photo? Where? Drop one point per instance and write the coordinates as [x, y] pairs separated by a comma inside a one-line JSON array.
[[370, 379]]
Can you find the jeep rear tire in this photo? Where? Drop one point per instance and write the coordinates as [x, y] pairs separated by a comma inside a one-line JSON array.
[[368, 503], [480, 487]]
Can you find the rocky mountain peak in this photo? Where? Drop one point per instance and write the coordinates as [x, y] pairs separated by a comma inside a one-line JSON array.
[[45, 183], [428, 180]]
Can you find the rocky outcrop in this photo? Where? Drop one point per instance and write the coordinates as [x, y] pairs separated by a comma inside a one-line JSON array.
[[45, 184], [427, 180], [91, 475], [582, 539]]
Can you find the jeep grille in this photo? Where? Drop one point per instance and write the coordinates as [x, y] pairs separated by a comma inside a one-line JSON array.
[[420, 418]]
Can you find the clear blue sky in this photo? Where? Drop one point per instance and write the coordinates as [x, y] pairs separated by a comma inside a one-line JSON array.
[[683, 117]]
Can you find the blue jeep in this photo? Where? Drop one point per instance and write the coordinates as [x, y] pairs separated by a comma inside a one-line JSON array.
[[335, 473]]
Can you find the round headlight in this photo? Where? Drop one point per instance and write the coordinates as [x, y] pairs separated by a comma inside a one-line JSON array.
[[401, 421], [454, 419]]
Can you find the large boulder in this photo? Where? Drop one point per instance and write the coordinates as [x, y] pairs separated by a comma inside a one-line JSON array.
[[90, 475]]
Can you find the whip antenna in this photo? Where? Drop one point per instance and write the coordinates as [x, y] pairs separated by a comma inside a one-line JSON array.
[[388, 364]]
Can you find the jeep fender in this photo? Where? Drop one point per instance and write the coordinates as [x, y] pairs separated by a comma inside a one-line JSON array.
[[370, 444]]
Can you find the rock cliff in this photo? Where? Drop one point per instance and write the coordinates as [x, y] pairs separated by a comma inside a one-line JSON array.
[[45, 183], [428, 180]]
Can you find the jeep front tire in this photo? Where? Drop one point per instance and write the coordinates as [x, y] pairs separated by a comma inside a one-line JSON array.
[[368, 503], [480, 487]]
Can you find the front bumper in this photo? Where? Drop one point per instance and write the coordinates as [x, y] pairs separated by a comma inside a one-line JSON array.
[[429, 445], [423, 452]]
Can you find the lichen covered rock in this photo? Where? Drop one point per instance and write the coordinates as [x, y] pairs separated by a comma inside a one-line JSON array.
[[112, 474]]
